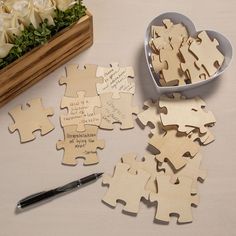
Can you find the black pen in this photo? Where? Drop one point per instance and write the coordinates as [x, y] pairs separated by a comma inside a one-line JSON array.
[[41, 196]]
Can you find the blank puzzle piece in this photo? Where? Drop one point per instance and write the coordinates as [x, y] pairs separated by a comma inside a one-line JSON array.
[[33, 117], [191, 170], [81, 80], [173, 147], [116, 80], [80, 111], [162, 35], [117, 111], [80, 144], [151, 114], [173, 73], [195, 116], [148, 163], [203, 139], [194, 73], [207, 53], [174, 198], [127, 187]]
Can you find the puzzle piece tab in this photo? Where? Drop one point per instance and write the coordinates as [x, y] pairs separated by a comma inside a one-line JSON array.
[[117, 111], [80, 111], [33, 117], [81, 80], [116, 80], [148, 163], [191, 170], [174, 198], [151, 114], [207, 53], [173, 147], [195, 116], [127, 187], [80, 145]]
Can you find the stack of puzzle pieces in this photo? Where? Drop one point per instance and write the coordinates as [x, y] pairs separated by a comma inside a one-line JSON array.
[[169, 173], [95, 97], [180, 59]]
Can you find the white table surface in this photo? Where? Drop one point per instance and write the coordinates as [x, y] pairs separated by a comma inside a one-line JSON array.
[[119, 28]]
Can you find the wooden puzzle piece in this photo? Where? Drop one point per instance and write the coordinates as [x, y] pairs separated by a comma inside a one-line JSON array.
[[207, 53], [81, 80], [127, 187], [191, 170], [116, 80], [117, 111], [173, 147], [148, 163], [173, 73], [33, 117], [195, 116], [80, 145], [80, 111], [158, 66], [194, 73], [174, 198], [203, 139], [168, 32], [151, 114]]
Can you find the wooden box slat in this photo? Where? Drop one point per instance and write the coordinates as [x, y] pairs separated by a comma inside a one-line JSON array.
[[35, 65]]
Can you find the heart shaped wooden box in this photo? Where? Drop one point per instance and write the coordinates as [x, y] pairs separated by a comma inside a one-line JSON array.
[[39, 62]]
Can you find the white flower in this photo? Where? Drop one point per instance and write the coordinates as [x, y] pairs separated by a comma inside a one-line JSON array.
[[5, 47], [65, 4]]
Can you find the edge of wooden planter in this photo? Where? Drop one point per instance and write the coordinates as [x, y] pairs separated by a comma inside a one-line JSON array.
[[14, 81]]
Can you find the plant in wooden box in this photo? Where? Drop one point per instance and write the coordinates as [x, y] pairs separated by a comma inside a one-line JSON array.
[[36, 37], [26, 24]]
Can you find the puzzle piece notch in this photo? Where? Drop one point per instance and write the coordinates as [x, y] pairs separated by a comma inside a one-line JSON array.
[[213, 59], [173, 73], [194, 73], [203, 139], [173, 147], [80, 145], [121, 184], [77, 80], [151, 114], [193, 108], [191, 169], [148, 163], [117, 111], [116, 80], [174, 198], [81, 111], [34, 117]]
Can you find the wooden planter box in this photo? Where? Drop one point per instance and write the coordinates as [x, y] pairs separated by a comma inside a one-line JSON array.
[[36, 64]]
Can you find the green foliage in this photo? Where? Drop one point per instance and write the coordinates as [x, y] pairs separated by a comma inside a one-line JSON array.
[[31, 37]]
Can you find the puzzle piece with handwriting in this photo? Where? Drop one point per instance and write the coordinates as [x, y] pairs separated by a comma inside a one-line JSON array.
[[81, 111], [117, 110], [33, 117], [116, 80], [127, 187], [81, 144]]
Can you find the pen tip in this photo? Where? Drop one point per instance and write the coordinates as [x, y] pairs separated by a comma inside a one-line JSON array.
[[18, 206], [99, 174]]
